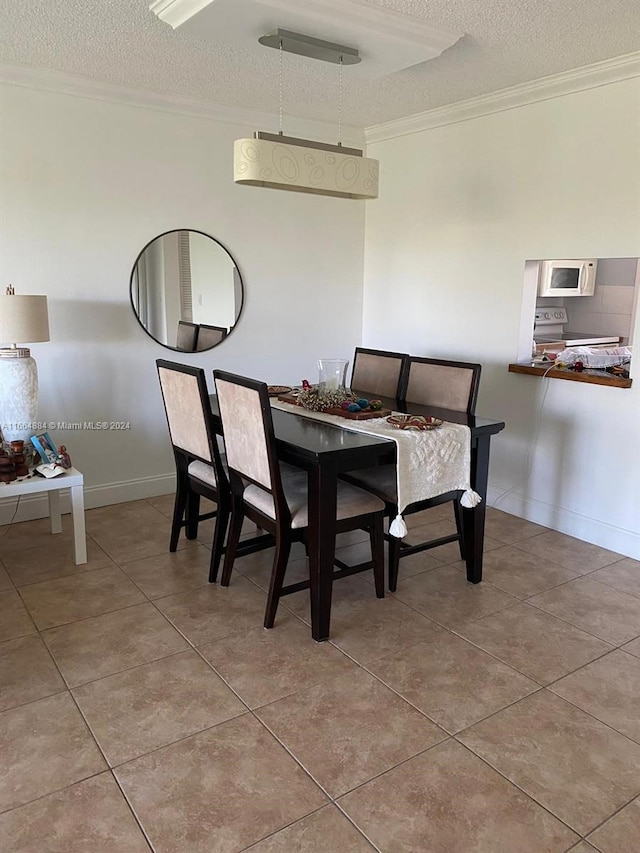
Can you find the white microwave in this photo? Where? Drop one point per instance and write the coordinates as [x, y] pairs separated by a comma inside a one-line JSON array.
[[568, 278]]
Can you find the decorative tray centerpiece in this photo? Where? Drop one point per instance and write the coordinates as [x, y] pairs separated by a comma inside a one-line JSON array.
[[336, 402], [277, 390], [414, 422]]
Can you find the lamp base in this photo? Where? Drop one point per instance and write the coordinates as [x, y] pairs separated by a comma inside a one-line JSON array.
[[18, 394]]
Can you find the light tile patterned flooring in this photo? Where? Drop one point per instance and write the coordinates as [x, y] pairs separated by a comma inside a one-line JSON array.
[[142, 708]]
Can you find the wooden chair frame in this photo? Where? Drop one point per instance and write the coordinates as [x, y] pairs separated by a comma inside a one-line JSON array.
[[397, 548], [206, 327], [187, 328], [280, 528], [404, 366], [189, 489]]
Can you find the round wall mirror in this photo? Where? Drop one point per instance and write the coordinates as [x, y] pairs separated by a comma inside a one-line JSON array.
[[186, 290]]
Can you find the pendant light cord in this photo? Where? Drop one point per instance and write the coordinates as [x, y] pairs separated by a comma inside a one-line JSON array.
[[340, 104], [280, 87]]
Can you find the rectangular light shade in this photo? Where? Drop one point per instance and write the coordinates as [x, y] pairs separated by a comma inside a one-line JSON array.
[[23, 319], [283, 166]]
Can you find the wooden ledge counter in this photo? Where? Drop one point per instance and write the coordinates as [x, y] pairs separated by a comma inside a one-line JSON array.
[[594, 377]]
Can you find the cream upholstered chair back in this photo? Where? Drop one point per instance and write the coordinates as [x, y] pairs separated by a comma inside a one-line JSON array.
[[246, 423], [378, 372], [444, 384], [209, 336], [186, 402], [187, 336]]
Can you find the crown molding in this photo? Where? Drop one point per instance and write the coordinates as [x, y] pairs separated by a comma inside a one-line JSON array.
[[554, 86], [378, 19], [84, 87], [176, 12]]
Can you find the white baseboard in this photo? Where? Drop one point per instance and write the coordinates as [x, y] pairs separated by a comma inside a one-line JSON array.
[[618, 539], [27, 508], [591, 530]]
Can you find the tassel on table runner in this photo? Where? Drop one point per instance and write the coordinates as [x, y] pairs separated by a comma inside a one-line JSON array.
[[470, 499], [397, 527]]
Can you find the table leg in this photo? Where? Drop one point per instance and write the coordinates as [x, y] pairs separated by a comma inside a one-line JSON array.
[[54, 511], [473, 519], [323, 484], [79, 536]]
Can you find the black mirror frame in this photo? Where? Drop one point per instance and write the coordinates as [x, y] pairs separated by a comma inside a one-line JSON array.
[[133, 307]]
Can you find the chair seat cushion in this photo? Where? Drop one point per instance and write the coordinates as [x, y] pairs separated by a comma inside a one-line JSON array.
[[203, 472], [351, 500], [381, 480]]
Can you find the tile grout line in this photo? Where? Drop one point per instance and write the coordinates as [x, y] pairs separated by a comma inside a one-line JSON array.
[[519, 787], [93, 738], [527, 675], [610, 817], [109, 768], [573, 625], [450, 630], [521, 790]]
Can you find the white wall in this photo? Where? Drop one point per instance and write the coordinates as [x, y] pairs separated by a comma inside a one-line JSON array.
[[212, 287], [461, 207], [85, 185]]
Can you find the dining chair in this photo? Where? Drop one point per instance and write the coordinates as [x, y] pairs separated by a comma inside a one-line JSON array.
[[378, 372], [199, 464], [440, 384], [274, 495], [187, 336], [209, 336]]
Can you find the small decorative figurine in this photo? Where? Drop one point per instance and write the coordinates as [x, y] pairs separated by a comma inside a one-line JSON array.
[[63, 457]]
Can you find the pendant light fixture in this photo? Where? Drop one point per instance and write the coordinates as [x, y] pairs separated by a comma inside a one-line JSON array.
[[302, 165]]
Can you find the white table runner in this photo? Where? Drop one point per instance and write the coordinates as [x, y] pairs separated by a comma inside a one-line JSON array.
[[428, 463]]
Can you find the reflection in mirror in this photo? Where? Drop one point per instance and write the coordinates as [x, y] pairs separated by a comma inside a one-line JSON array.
[[186, 290]]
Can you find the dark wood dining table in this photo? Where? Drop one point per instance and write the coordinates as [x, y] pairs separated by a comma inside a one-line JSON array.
[[325, 451]]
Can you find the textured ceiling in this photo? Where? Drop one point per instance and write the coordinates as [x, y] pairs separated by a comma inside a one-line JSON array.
[[507, 42]]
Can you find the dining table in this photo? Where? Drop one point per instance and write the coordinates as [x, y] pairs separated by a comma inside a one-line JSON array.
[[325, 451]]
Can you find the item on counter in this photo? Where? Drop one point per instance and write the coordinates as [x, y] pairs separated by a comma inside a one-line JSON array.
[[594, 358], [618, 370]]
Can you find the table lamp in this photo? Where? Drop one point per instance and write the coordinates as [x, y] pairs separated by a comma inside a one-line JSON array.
[[24, 319]]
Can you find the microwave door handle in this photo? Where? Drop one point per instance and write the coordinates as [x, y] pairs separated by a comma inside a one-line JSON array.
[[582, 278]]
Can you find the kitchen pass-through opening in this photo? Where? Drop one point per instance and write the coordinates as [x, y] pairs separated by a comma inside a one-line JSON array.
[[581, 302]]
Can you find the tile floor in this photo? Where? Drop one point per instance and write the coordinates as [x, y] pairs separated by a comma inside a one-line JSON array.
[[141, 708]]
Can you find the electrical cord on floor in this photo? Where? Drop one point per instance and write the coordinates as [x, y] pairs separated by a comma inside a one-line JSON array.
[[7, 527], [532, 445]]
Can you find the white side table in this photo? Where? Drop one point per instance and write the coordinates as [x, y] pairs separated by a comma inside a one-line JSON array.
[[72, 480]]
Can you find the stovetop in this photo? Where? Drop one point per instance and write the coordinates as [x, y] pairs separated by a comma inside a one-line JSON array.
[[576, 339]]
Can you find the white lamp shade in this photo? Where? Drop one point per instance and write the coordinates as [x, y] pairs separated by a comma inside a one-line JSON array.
[[264, 163], [23, 319]]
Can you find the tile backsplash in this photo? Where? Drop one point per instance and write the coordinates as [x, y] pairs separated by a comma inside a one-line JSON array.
[[609, 311]]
